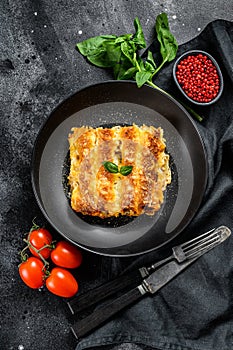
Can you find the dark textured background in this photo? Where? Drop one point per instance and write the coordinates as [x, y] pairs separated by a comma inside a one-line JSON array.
[[40, 67]]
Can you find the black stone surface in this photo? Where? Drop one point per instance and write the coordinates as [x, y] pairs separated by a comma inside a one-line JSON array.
[[40, 67]]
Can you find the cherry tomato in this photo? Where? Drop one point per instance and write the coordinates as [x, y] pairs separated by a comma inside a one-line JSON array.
[[32, 273], [66, 255], [62, 283], [38, 239]]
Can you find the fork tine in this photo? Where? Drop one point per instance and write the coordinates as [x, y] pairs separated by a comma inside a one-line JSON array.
[[202, 242], [197, 239], [195, 252], [206, 243]]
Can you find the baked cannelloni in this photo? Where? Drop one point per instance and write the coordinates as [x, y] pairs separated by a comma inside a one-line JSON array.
[[97, 191]]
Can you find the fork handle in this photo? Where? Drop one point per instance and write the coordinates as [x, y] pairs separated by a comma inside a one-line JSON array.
[[103, 291], [99, 316], [153, 267]]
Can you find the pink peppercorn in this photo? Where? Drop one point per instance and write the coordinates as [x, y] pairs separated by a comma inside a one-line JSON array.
[[198, 78]]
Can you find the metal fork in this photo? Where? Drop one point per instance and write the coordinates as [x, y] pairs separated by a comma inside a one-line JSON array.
[[193, 248], [185, 251]]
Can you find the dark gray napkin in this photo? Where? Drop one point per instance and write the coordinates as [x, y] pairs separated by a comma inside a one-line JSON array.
[[195, 310]]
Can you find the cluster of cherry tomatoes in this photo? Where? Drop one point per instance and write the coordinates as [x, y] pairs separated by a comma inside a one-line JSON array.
[[34, 269]]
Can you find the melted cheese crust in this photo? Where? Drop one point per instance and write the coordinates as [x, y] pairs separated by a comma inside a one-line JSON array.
[[97, 192]]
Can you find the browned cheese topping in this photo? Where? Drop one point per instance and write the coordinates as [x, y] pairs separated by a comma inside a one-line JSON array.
[[96, 191]]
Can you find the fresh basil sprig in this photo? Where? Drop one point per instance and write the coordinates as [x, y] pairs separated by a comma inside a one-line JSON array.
[[113, 168], [121, 54]]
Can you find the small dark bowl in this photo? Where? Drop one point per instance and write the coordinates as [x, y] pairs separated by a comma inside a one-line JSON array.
[[195, 53]]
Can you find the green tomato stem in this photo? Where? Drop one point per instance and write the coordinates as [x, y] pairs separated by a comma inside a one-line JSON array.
[[34, 226], [29, 245], [24, 256], [50, 246]]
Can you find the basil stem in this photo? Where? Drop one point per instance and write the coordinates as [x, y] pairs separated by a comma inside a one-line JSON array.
[[189, 109]]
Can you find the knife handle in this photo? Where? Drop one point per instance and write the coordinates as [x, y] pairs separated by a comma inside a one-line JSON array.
[[103, 291], [99, 316]]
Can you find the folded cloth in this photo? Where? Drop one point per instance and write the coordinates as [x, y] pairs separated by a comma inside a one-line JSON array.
[[193, 311]]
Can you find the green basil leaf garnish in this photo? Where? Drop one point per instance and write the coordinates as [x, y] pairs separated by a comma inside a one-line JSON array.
[[111, 167], [126, 170]]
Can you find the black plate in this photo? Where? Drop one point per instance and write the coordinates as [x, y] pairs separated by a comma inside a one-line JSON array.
[[120, 103]]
